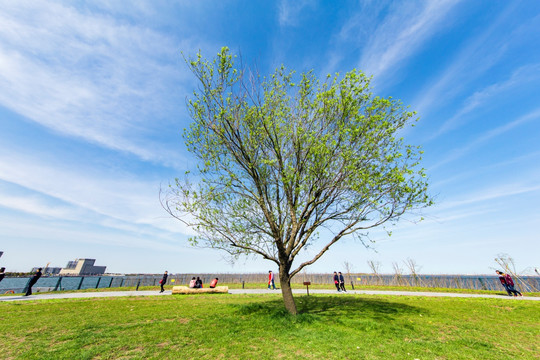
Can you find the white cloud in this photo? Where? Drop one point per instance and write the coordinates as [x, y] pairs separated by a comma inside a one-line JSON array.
[[122, 202], [476, 57], [291, 11], [401, 34], [57, 232], [519, 78], [90, 76], [518, 161], [460, 152], [492, 193], [34, 205]]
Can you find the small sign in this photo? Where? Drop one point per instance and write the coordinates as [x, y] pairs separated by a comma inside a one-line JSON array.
[[307, 283]]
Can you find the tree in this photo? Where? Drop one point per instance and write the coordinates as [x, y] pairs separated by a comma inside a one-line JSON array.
[[508, 265], [281, 159], [414, 268]]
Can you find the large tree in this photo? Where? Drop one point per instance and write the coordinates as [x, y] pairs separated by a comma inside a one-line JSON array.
[[283, 157]]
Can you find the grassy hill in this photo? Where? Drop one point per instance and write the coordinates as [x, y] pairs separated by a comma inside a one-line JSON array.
[[257, 327]]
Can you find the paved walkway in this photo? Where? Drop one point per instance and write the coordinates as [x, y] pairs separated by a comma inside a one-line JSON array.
[[82, 295]]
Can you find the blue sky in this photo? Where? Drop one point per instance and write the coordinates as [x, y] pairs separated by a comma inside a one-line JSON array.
[[92, 107]]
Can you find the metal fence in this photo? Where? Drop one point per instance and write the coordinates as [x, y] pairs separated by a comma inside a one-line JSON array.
[[356, 280]]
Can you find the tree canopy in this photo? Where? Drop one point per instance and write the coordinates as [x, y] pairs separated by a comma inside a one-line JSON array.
[[282, 157]]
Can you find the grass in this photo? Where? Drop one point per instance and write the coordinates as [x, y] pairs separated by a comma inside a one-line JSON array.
[[257, 327]]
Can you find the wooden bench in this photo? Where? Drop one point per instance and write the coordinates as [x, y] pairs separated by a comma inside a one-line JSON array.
[[188, 290]]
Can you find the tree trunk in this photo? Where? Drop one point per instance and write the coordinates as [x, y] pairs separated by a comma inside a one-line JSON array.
[[286, 290]]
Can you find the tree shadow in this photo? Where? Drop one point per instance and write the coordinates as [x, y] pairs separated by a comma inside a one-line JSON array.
[[322, 308]]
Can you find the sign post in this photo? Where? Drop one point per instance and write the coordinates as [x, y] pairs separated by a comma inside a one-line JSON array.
[[307, 283]]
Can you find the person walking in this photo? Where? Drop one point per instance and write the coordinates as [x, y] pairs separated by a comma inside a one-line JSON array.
[[2, 273], [508, 283], [342, 282], [271, 283], [163, 281], [336, 281], [502, 279], [32, 281]]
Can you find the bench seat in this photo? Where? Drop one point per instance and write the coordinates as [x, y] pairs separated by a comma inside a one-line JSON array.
[[188, 290]]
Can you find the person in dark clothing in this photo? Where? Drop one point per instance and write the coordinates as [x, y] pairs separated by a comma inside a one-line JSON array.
[[33, 280], [336, 281], [198, 283], [508, 283], [502, 279], [164, 281], [342, 282], [2, 273]]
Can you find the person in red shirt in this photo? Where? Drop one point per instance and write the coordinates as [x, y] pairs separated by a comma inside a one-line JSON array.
[[271, 283], [508, 283], [336, 281], [163, 281], [213, 283]]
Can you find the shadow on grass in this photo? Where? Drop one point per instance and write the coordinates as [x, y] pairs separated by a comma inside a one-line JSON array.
[[314, 308]]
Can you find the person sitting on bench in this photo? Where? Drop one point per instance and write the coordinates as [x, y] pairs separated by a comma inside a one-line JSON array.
[[192, 283], [213, 283], [198, 283]]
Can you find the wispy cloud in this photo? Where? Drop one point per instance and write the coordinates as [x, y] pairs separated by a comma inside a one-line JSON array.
[[291, 11], [460, 152], [35, 206], [519, 161], [519, 78], [493, 193], [90, 76], [401, 34], [476, 57], [68, 234], [122, 202]]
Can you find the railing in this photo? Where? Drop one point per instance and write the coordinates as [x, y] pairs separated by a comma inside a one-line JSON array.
[[59, 283]]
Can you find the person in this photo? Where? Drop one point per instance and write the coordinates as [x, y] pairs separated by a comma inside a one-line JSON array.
[[163, 281], [336, 281], [2, 273], [508, 283], [32, 281], [192, 283], [502, 279], [213, 283], [198, 283], [342, 282], [271, 284]]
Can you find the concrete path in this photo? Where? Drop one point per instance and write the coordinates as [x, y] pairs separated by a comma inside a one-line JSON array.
[[83, 295]]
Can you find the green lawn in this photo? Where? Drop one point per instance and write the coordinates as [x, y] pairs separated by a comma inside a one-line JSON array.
[[224, 326]]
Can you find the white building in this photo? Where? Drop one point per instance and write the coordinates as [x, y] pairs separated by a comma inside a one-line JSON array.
[[82, 267]]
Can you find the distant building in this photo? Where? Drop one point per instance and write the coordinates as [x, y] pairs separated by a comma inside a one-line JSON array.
[[48, 270], [82, 267]]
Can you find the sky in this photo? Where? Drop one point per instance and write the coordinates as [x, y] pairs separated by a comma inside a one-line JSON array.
[[93, 105]]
